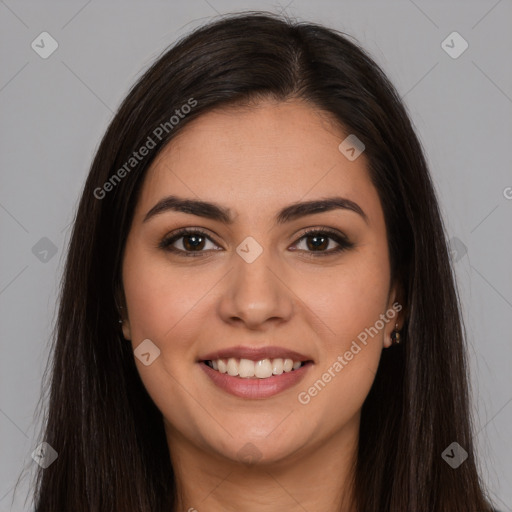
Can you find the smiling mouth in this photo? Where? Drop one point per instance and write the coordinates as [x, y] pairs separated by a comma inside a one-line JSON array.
[[248, 369]]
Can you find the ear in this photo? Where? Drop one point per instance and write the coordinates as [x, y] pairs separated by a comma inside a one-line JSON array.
[[126, 329], [123, 313], [395, 312]]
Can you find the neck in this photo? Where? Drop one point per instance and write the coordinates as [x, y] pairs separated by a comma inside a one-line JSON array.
[[319, 477]]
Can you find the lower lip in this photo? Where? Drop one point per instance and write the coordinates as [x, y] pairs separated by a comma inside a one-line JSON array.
[[256, 388]]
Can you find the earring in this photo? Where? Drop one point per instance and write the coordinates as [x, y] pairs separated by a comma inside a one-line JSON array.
[[395, 336]]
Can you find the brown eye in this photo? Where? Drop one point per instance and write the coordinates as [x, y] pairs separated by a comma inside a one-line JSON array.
[[318, 240], [192, 241]]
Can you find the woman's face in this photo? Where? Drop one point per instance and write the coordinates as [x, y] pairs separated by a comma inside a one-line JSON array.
[[255, 289]]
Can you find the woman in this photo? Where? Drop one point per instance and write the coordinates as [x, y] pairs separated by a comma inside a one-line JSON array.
[[258, 311]]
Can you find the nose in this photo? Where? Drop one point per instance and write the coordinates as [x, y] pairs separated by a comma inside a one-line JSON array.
[[256, 294]]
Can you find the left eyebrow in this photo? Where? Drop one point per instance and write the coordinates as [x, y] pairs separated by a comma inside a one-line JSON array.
[[219, 213]]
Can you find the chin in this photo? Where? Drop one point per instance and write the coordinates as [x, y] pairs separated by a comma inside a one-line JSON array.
[[261, 449]]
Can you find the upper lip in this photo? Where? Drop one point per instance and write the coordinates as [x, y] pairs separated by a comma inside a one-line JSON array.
[[255, 354]]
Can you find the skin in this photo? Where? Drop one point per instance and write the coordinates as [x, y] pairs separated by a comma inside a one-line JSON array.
[[256, 161]]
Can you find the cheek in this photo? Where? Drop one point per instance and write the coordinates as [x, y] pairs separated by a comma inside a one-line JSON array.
[[334, 398], [162, 307], [348, 299], [349, 359], [160, 298]]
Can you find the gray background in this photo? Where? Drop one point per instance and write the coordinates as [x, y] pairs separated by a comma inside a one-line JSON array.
[[55, 110]]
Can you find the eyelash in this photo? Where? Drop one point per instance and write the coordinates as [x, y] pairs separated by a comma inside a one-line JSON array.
[[343, 243]]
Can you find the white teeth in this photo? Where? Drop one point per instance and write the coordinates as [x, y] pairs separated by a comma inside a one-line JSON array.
[[262, 369], [223, 367], [232, 367], [277, 367], [287, 365], [246, 368]]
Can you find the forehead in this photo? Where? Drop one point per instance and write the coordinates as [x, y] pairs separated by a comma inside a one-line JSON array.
[[259, 158]]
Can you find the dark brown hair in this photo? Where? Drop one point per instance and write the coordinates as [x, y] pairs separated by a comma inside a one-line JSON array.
[[113, 453]]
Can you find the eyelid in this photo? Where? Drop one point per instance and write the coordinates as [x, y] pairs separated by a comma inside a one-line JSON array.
[[323, 229], [337, 236], [334, 234], [167, 241]]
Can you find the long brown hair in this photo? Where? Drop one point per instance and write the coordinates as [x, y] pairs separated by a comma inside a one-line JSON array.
[[109, 435]]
